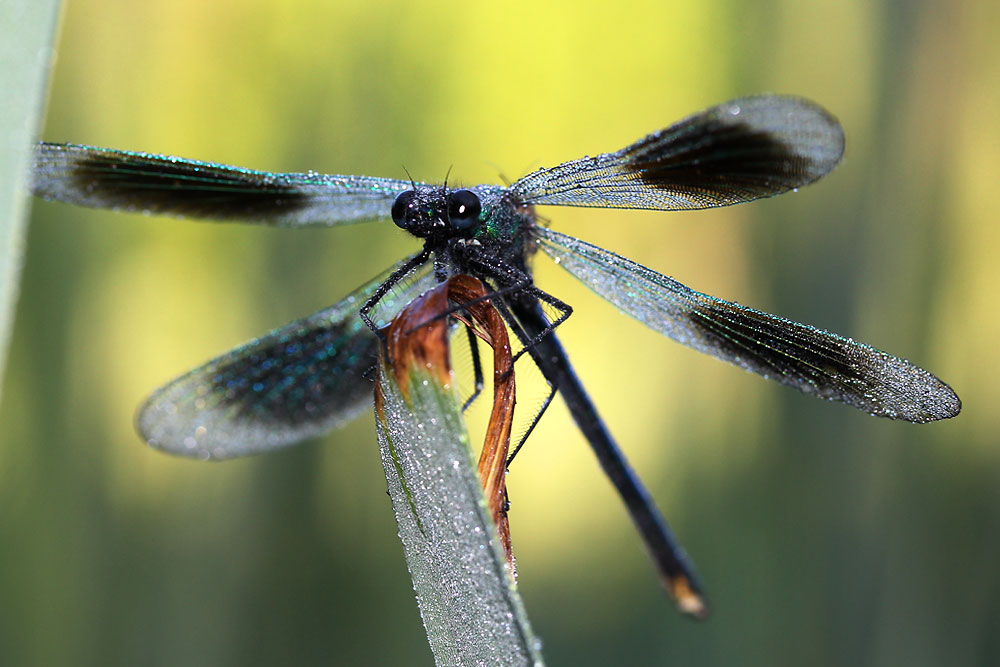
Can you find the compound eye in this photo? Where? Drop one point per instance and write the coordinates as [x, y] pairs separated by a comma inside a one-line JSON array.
[[463, 209], [401, 207]]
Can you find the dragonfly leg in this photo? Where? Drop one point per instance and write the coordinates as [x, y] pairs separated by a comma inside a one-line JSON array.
[[384, 288], [514, 281], [565, 310], [534, 423], [477, 368]]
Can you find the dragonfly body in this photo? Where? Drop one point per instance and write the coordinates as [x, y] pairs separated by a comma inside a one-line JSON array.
[[301, 379]]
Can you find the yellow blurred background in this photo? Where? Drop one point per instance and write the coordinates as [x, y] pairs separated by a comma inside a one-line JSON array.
[[822, 535]]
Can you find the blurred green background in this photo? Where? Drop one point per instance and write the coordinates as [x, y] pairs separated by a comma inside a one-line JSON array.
[[823, 536]]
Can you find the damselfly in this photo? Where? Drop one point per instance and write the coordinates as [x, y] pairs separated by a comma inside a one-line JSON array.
[[304, 378]]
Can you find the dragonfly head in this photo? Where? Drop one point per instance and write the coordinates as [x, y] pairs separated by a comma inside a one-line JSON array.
[[428, 212]]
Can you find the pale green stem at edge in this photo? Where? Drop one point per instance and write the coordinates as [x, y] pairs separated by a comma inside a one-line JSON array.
[[468, 601], [28, 28]]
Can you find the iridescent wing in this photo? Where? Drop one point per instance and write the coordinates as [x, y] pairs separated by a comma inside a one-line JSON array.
[[735, 152], [159, 184], [811, 360], [290, 384]]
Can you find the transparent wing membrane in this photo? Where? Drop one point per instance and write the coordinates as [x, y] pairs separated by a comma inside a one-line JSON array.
[[812, 360], [735, 152], [160, 184]]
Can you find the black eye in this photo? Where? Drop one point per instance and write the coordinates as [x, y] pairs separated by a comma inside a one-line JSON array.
[[401, 206], [463, 209]]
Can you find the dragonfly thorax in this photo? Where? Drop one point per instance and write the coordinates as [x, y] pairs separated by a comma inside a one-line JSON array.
[[437, 212]]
